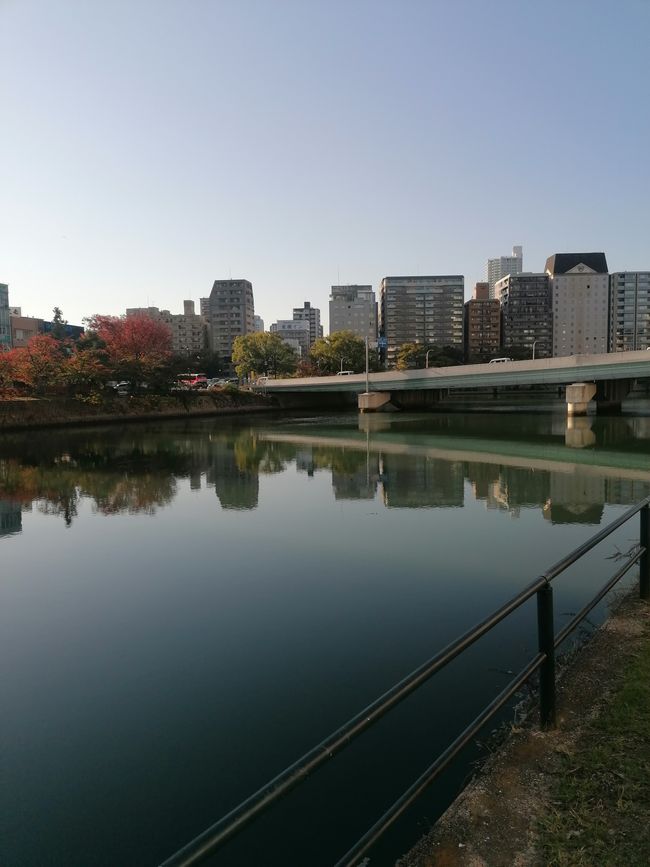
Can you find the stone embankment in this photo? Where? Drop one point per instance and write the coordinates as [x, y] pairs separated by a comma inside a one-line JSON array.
[[28, 413]]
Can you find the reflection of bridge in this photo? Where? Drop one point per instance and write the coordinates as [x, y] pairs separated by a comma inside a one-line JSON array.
[[607, 378]]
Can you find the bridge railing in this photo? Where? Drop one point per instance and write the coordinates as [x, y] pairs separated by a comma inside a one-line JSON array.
[[214, 837]]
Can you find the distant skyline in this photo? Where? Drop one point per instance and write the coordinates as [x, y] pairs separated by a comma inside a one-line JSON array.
[[150, 148]]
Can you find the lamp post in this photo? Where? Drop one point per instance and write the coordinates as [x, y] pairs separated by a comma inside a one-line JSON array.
[[535, 342], [342, 360], [426, 358]]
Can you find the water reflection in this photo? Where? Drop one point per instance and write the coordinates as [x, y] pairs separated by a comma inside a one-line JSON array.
[[568, 470]]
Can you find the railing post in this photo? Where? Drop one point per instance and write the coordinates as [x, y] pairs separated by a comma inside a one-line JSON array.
[[644, 565], [546, 643]]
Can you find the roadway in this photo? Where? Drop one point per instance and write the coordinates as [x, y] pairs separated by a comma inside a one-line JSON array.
[[545, 371]]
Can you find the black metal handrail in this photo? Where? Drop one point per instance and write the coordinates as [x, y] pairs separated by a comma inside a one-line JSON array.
[[231, 824]]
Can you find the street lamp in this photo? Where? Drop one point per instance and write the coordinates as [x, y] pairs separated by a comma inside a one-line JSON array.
[[426, 358], [535, 342], [342, 360]]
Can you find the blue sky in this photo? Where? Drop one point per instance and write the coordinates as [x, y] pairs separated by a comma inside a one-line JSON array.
[[149, 147]]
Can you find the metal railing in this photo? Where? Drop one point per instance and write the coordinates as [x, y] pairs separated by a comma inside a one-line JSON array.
[[214, 837]]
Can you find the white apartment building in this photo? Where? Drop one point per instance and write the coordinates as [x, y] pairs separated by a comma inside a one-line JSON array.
[[188, 329], [295, 332], [258, 324], [580, 293], [309, 314], [496, 269], [354, 308]]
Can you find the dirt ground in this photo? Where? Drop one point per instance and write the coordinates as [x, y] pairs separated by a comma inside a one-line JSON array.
[[493, 822]]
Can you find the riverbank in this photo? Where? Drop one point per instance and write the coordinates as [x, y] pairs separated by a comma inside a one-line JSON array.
[[576, 796], [31, 413]]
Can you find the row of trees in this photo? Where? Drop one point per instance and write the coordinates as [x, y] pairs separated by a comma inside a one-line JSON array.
[[265, 354], [134, 349]]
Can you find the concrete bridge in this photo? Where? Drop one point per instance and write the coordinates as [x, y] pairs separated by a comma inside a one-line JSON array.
[[607, 379]]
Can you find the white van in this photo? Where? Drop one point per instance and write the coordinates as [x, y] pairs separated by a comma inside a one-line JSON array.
[[345, 373], [499, 360]]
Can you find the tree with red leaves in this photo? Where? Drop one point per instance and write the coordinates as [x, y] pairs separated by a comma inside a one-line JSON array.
[[40, 364], [137, 348]]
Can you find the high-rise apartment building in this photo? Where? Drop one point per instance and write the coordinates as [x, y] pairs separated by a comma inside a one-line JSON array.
[[580, 289], [354, 308], [526, 314], [258, 324], [482, 325], [188, 329], [629, 317], [309, 314], [5, 325], [295, 332], [231, 311], [426, 310], [498, 268]]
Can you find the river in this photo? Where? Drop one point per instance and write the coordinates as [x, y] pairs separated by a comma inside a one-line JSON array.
[[187, 607]]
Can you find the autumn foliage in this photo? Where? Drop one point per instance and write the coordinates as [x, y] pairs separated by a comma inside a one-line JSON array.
[[135, 349]]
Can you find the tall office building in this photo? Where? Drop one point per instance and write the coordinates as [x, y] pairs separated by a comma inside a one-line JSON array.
[[498, 268], [426, 310], [629, 317], [354, 308], [310, 314], [231, 311], [5, 325], [580, 289], [482, 325], [527, 314]]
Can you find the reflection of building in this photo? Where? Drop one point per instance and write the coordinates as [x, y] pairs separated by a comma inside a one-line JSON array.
[[625, 492], [237, 487], [575, 498], [305, 460], [413, 481], [361, 484], [354, 308], [10, 518]]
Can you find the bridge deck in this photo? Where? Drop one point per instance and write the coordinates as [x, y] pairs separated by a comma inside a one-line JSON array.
[[546, 371]]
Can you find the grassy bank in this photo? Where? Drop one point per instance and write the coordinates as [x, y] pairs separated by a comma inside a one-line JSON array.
[[599, 811], [26, 414]]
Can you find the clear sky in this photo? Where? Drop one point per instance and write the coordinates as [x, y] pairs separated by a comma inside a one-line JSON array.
[[148, 147]]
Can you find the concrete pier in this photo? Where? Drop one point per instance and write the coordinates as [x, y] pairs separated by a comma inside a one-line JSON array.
[[578, 396], [375, 401]]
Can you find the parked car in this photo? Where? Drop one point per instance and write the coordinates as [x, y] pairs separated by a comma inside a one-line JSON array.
[[193, 380], [345, 373], [499, 360]]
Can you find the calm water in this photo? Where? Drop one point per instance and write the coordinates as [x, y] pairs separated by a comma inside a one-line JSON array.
[[184, 610]]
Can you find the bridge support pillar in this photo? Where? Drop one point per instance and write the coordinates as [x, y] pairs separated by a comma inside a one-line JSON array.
[[375, 401], [578, 396]]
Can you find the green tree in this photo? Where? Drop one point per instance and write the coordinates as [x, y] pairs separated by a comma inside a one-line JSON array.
[[263, 354], [341, 350], [412, 356], [58, 331]]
